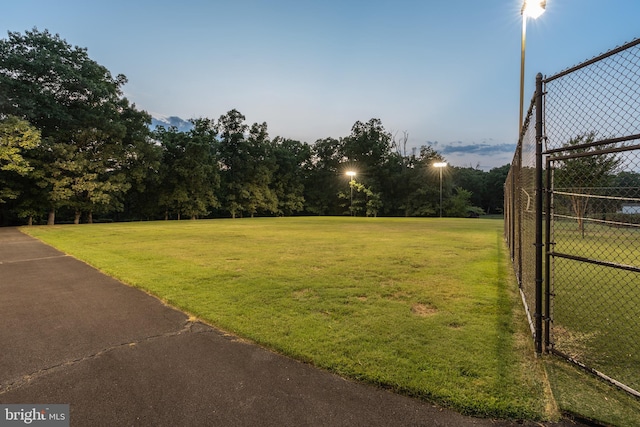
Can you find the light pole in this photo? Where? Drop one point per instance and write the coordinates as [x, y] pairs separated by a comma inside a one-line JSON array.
[[530, 9], [351, 174], [440, 166]]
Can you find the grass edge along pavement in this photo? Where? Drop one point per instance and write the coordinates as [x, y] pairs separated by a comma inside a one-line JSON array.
[[426, 307]]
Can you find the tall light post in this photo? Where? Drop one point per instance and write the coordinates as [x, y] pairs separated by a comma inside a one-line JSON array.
[[351, 174], [440, 166], [530, 9]]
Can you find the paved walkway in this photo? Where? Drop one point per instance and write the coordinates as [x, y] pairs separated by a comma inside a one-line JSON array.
[[119, 357]]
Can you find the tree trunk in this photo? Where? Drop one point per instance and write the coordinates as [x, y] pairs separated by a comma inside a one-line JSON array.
[[90, 217], [76, 220], [30, 220], [52, 217]]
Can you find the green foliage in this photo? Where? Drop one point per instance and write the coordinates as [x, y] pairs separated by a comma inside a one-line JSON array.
[[361, 200], [459, 204], [291, 160], [324, 177], [188, 176], [17, 138], [78, 107], [97, 156], [493, 199]]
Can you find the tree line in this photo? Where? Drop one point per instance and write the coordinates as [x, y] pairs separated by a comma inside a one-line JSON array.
[[74, 149]]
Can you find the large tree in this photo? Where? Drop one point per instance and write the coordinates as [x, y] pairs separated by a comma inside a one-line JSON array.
[[189, 171], [260, 168], [77, 105], [368, 148], [233, 155], [141, 165]]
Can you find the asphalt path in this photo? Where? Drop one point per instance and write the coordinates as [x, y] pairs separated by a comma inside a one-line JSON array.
[[120, 357]]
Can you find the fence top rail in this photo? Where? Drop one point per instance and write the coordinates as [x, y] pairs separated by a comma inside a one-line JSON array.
[[593, 60]]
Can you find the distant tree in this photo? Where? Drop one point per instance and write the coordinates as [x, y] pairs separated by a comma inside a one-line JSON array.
[[625, 185], [247, 166], [472, 180], [202, 171], [189, 172], [141, 166], [173, 145], [292, 160], [258, 176], [368, 149], [233, 155], [424, 196], [460, 205], [493, 194], [626, 181], [581, 176], [324, 178]]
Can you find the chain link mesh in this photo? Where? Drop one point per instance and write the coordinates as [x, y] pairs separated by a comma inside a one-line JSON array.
[[592, 122], [591, 140], [520, 222]]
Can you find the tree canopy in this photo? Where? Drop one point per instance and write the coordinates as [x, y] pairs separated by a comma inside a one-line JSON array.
[[84, 121], [73, 147]]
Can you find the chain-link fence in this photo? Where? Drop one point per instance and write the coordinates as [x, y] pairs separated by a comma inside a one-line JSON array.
[[520, 220], [588, 154]]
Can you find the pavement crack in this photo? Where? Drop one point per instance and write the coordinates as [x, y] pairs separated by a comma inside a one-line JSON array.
[[190, 326]]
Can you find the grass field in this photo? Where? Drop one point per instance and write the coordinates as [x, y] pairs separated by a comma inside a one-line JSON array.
[[597, 308], [426, 307]]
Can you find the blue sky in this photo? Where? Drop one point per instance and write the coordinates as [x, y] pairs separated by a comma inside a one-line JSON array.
[[444, 71]]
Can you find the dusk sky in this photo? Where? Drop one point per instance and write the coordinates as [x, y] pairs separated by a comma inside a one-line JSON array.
[[444, 71]]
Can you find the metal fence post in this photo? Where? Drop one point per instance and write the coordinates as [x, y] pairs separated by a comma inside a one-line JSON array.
[[539, 216]]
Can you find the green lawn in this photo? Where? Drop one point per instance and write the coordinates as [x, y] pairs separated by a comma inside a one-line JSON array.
[[596, 308], [426, 307], [595, 321]]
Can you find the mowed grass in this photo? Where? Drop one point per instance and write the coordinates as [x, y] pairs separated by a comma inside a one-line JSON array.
[[596, 322], [426, 307], [597, 308]]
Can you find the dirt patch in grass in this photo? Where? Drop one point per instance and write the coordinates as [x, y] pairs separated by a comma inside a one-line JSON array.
[[423, 310]]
